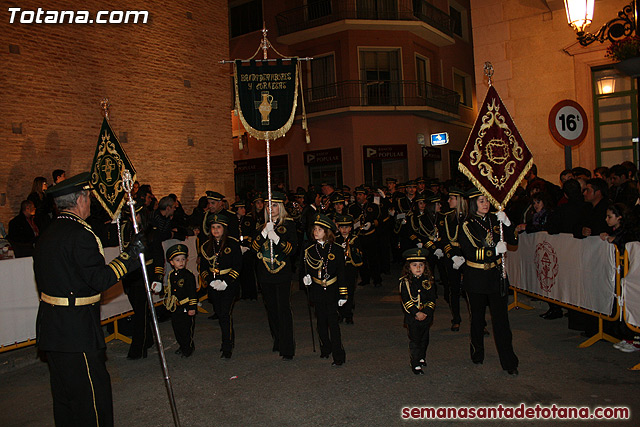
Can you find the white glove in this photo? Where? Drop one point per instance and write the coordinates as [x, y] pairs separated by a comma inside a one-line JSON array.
[[392, 212], [401, 215], [222, 285], [344, 245], [267, 228], [156, 287], [419, 245], [457, 261], [214, 284], [341, 302], [439, 253], [306, 280], [502, 217], [381, 193], [274, 237], [243, 249], [356, 225], [501, 247], [366, 226]]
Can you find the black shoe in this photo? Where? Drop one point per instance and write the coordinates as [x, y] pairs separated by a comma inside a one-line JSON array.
[[477, 362], [132, 357], [337, 363], [417, 370], [422, 362], [178, 351], [187, 354], [546, 313], [225, 355], [287, 358], [324, 356], [213, 317], [275, 348], [455, 327], [513, 372], [555, 314], [349, 320]]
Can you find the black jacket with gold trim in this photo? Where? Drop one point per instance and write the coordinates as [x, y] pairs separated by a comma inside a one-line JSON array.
[[449, 228], [154, 257], [325, 264], [181, 290], [247, 230], [68, 262], [352, 250], [418, 294], [368, 212], [428, 232], [478, 238], [220, 260], [280, 270]]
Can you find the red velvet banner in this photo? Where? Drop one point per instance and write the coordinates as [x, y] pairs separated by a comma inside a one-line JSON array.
[[495, 158]]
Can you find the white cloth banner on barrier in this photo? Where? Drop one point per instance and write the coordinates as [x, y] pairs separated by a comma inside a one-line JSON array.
[[19, 297], [579, 272], [631, 285]]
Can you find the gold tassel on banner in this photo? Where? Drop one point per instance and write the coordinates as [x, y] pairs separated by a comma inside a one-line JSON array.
[[304, 111]]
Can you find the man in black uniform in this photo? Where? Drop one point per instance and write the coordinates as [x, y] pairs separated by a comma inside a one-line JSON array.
[[70, 272], [367, 217]]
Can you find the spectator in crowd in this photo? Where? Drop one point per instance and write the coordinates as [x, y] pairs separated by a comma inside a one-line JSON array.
[[43, 203], [623, 230], [566, 175], [58, 176], [580, 172], [541, 209], [146, 197], [197, 215], [23, 231], [566, 217], [593, 218], [535, 183], [602, 172], [623, 190]]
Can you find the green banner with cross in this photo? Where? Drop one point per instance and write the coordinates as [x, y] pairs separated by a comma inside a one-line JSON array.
[[108, 164]]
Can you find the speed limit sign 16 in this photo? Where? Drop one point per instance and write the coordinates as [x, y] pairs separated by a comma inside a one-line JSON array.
[[568, 123]]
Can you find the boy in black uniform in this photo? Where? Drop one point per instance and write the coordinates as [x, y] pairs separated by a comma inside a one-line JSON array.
[[352, 261], [180, 298], [418, 293]]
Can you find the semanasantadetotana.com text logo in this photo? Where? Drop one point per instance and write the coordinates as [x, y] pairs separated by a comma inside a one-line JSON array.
[[41, 16]]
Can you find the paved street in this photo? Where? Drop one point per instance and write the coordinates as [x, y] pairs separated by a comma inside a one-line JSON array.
[[256, 387]]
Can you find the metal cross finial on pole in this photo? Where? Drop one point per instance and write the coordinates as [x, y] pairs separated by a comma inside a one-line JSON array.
[[127, 185], [265, 42], [105, 107], [488, 71]]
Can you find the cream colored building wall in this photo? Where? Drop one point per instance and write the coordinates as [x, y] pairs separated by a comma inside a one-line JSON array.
[[538, 63]]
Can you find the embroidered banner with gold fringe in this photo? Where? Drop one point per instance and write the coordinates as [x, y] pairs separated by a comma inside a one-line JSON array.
[[266, 97], [106, 171], [495, 158]]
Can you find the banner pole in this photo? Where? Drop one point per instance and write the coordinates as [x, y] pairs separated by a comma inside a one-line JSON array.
[[127, 184], [269, 194]]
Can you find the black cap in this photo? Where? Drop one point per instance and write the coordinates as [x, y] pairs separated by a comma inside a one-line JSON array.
[[360, 189], [456, 191], [342, 220], [213, 195], [239, 204], [415, 254], [276, 197], [336, 197], [217, 218], [390, 179], [325, 221], [74, 184], [473, 193], [176, 250]]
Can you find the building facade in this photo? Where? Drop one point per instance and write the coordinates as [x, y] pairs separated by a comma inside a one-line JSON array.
[[538, 63], [168, 93], [385, 75]]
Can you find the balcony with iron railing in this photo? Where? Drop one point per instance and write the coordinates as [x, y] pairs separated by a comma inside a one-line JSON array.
[[330, 16], [420, 97]]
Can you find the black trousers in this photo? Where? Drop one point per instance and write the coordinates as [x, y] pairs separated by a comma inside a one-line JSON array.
[[248, 276], [418, 339], [223, 306], [81, 389], [141, 336], [351, 276], [500, 324], [455, 291], [325, 301], [183, 328], [371, 256], [277, 300]]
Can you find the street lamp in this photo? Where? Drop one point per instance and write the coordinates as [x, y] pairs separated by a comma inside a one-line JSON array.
[[580, 14], [606, 85]]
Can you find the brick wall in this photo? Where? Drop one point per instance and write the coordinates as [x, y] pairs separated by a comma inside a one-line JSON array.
[[52, 89]]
